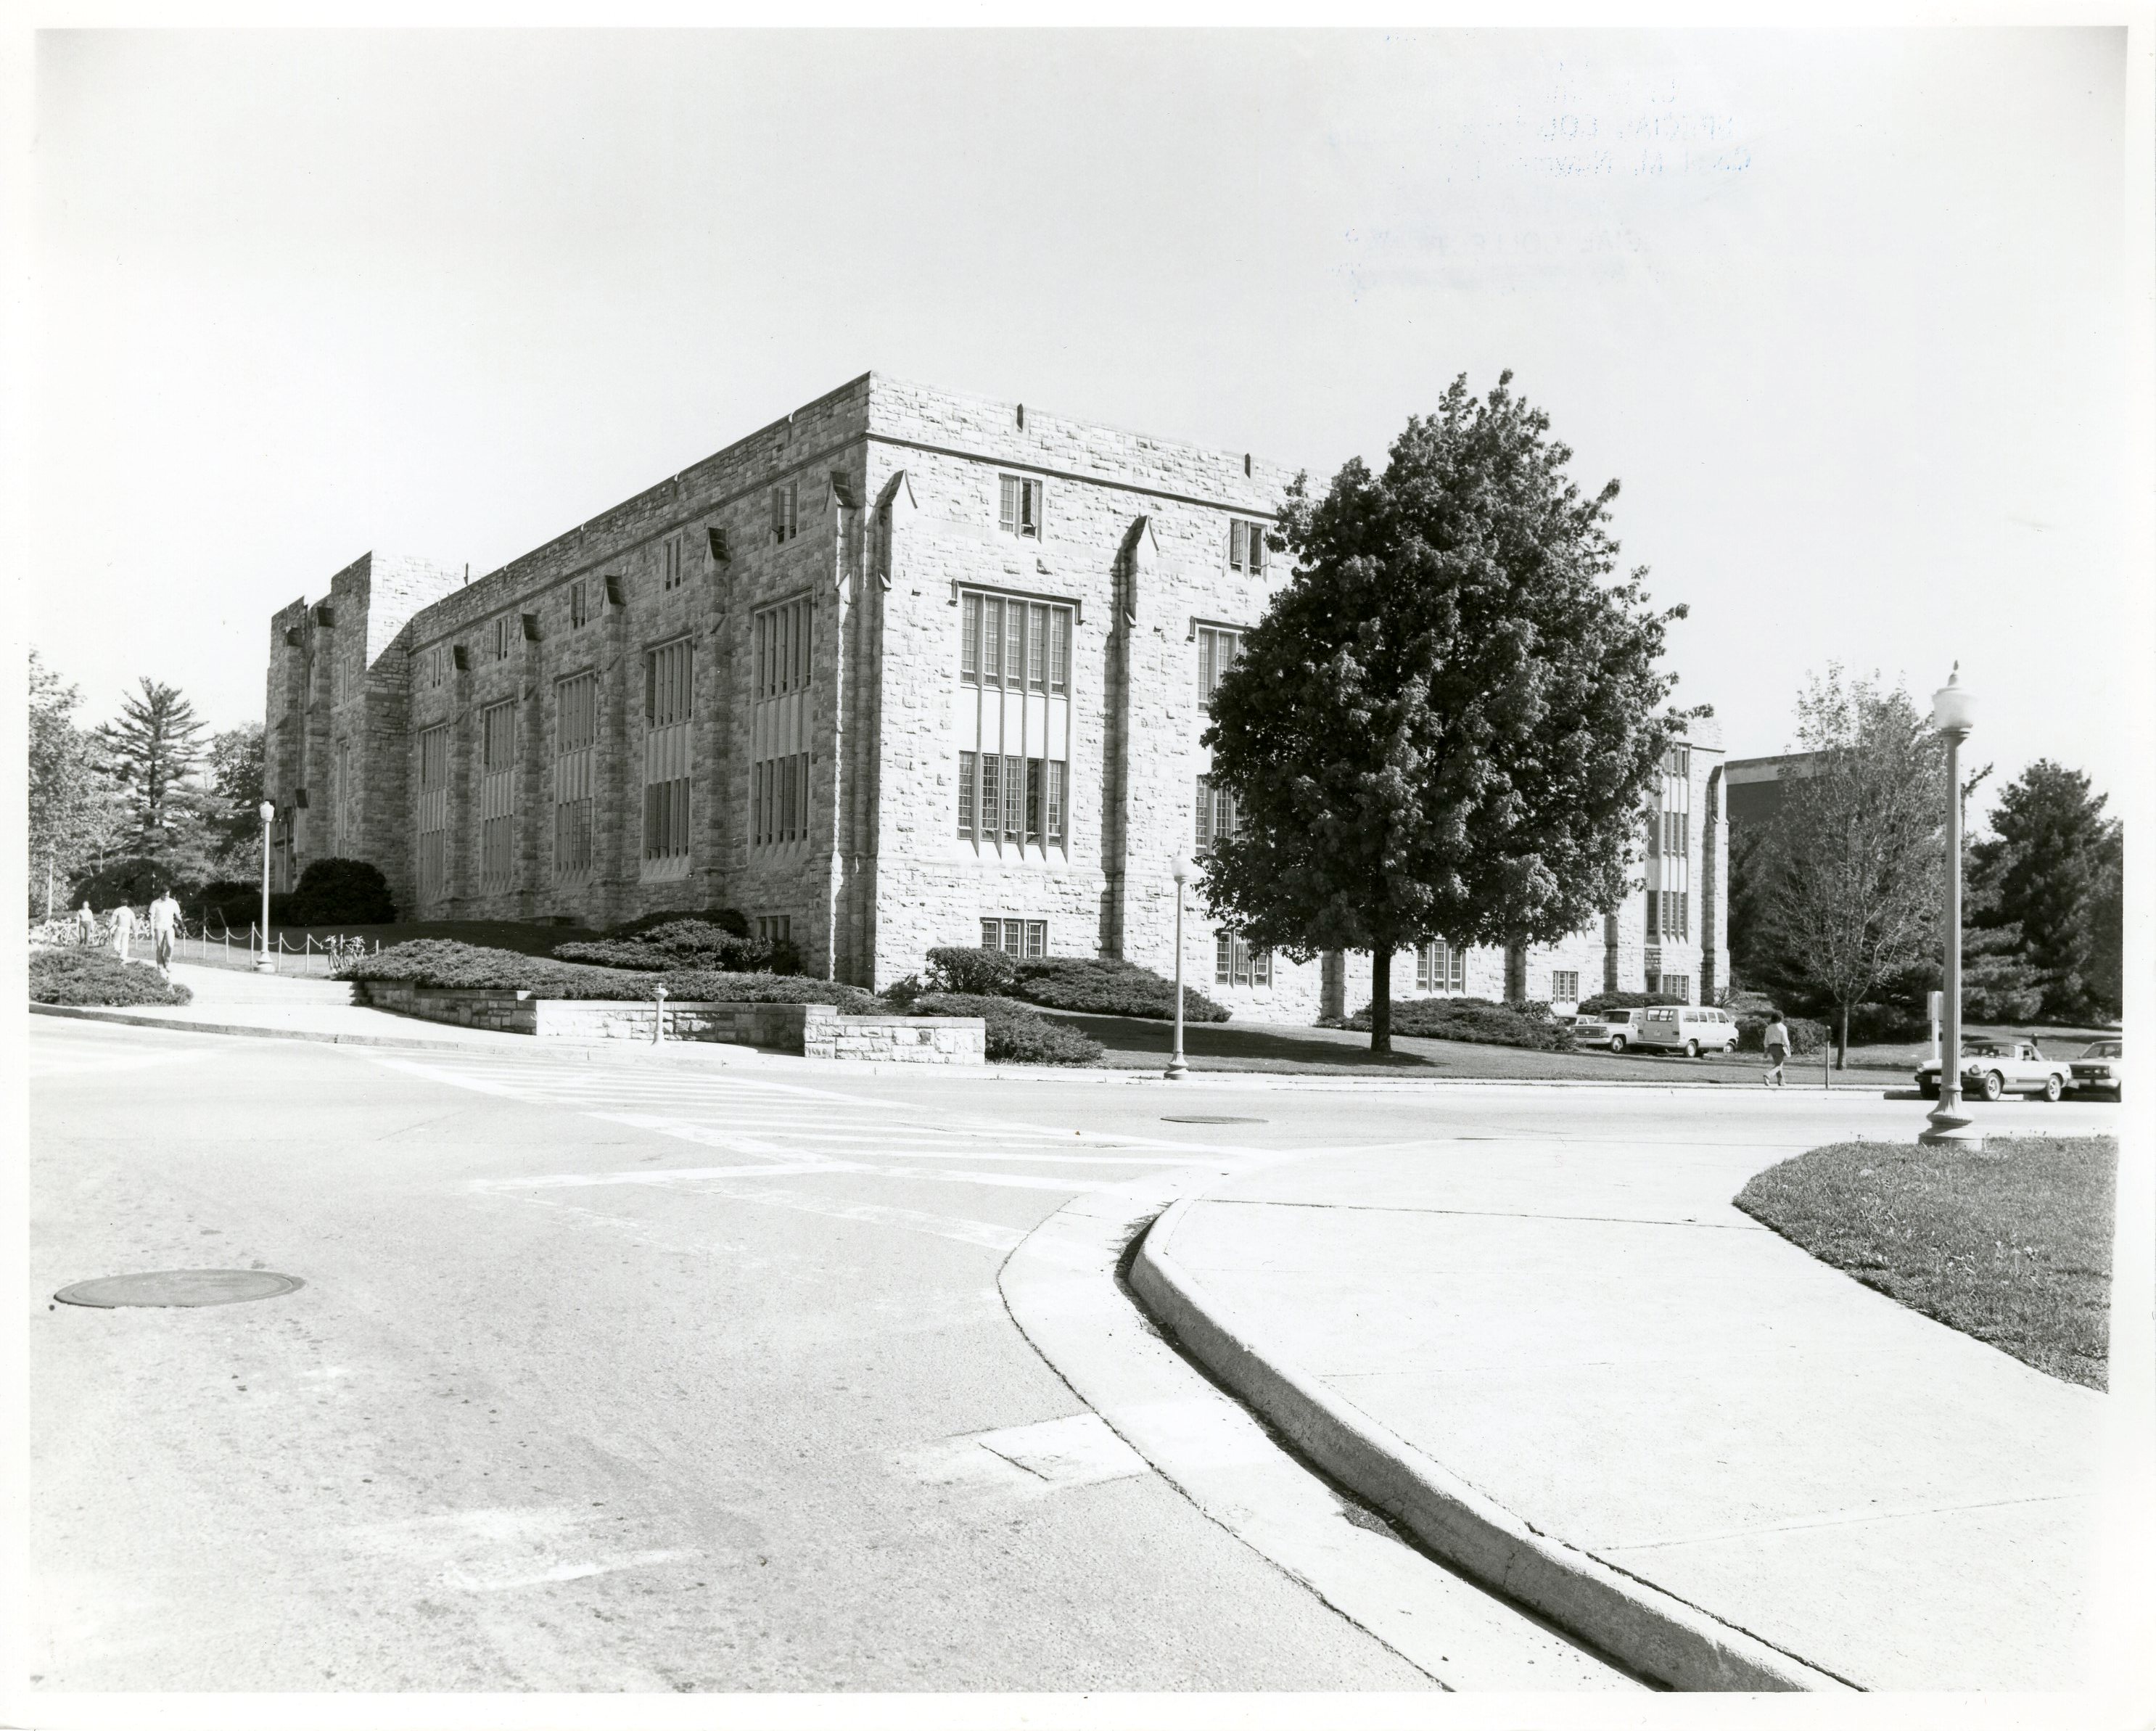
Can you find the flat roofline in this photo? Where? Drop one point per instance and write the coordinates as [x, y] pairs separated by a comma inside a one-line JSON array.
[[1012, 404]]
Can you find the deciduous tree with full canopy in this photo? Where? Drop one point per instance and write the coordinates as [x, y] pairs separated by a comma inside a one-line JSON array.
[[1445, 724], [1852, 892], [73, 809]]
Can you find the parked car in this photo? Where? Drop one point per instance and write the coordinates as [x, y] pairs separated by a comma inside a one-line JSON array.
[[1691, 1029], [1615, 1029], [1991, 1068], [2100, 1070]]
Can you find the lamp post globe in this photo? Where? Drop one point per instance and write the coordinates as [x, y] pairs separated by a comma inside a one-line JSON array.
[[1182, 870], [268, 813], [1953, 717]]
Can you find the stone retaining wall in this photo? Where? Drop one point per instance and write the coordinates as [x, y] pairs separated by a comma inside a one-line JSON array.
[[810, 1030]]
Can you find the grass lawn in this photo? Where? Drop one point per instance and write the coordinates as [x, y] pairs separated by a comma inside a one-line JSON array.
[[2012, 1246], [1136, 1044]]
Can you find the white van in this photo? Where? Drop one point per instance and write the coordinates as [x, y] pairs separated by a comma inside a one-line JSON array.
[[1688, 1028]]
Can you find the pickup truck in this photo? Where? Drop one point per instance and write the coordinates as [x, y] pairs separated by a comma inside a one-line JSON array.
[[1992, 1068]]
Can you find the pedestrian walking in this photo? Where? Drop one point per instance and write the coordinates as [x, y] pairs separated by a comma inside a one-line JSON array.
[[164, 922], [1777, 1042], [123, 931], [86, 926]]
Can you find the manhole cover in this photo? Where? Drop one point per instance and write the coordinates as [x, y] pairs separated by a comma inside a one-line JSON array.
[[180, 1286], [1205, 1118]]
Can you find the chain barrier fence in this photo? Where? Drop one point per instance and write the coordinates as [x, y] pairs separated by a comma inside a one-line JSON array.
[[211, 942]]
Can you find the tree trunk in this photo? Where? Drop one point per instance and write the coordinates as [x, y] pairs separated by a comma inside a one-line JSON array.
[[1841, 1041], [1381, 1002]]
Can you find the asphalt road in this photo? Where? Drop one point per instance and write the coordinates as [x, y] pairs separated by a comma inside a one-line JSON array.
[[609, 1379]]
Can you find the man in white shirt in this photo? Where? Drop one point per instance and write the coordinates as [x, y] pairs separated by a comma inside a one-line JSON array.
[[164, 922]]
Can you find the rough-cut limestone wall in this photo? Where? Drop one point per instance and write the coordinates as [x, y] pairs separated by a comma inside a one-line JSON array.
[[1115, 500], [898, 504], [713, 605]]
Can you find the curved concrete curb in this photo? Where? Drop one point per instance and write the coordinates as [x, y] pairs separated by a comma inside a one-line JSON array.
[[1636, 1623]]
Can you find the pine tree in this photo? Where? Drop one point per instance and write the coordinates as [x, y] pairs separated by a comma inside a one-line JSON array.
[[1445, 724], [150, 751], [2055, 859]]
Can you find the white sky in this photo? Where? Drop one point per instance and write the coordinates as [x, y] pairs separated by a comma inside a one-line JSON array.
[[1845, 311]]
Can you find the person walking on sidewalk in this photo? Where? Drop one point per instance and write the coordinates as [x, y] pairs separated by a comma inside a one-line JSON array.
[[123, 931], [86, 925], [164, 920], [1777, 1042]]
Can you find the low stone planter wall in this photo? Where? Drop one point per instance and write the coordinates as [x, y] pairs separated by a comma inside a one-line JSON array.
[[810, 1030]]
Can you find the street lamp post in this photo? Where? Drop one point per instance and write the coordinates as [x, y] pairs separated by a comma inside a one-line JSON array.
[[1953, 714], [1176, 1068], [268, 813]]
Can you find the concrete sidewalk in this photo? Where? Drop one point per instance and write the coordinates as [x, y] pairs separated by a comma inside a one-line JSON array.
[[272, 1006], [1581, 1375]]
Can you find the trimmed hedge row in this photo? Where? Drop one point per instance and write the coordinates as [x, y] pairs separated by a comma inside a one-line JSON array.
[[1603, 1002], [88, 976], [1092, 985], [444, 962], [1805, 1036], [1476, 1020], [684, 942], [1016, 1033]]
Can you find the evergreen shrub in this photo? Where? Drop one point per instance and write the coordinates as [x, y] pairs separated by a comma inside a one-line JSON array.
[[442, 962], [1099, 985], [1477, 1020], [1016, 1033], [97, 976]]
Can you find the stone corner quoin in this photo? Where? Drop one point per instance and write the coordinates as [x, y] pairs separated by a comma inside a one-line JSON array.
[[903, 668]]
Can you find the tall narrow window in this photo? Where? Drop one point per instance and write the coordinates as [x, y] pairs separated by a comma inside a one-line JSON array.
[[580, 612], [1217, 816], [1218, 650], [992, 783], [1440, 967], [785, 511], [1015, 780], [1036, 650], [1014, 646], [575, 735], [669, 713], [501, 638], [1014, 720], [783, 639], [1236, 964], [434, 813], [669, 562], [497, 796], [1020, 506]]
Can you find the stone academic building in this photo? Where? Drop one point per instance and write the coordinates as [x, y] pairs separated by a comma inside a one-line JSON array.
[[904, 669]]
